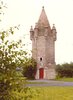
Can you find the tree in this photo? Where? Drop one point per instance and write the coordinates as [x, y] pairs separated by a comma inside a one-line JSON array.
[[29, 68], [64, 70], [11, 57]]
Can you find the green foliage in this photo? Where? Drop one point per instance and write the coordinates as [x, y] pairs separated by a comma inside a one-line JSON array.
[[25, 94], [64, 70], [11, 57], [29, 68]]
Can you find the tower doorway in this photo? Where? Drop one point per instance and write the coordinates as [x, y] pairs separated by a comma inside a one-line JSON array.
[[41, 73]]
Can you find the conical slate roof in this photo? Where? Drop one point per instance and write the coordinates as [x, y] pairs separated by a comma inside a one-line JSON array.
[[43, 20]]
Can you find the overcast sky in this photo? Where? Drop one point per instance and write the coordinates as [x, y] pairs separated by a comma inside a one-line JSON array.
[[59, 12]]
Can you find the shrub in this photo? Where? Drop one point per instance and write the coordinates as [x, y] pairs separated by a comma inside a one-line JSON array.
[[64, 70], [29, 68]]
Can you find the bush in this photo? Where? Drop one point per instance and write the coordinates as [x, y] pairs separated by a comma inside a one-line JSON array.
[[64, 70], [29, 68]]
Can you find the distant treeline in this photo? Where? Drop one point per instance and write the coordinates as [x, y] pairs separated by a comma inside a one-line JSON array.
[[64, 70]]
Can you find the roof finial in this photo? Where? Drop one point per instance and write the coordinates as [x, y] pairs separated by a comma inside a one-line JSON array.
[[36, 25], [43, 7], [31, 29], [53, 26]]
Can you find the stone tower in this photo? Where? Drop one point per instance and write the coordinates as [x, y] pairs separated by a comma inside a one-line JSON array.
[[43, 47]]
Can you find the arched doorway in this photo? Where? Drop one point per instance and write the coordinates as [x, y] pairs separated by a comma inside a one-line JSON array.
[[41, 73]]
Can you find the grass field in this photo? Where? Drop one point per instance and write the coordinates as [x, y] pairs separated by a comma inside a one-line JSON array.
[[65, 79], [52, 93], [46, 93]]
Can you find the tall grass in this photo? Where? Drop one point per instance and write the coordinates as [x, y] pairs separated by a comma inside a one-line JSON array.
[[53, 93], [46, 93]]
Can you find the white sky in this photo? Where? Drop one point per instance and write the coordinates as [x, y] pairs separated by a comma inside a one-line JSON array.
[[59, 12]]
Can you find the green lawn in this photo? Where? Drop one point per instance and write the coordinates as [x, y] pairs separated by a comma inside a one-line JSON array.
[[37, 83], [52, 93], [46, 93], [65, 79]]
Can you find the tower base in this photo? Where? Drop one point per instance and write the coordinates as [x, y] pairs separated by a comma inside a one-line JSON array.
[[45, 73]]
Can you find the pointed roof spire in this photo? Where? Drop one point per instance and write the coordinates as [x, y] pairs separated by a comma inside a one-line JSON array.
[[43, 20]]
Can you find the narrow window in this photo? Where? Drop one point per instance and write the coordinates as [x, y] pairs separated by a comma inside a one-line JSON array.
[[40, 59]]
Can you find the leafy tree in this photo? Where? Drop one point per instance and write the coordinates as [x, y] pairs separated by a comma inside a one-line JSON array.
[[29, 68], [11, 57], [64, 70]]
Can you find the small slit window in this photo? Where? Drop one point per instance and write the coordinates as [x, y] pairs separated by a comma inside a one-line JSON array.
[[40, 59]]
